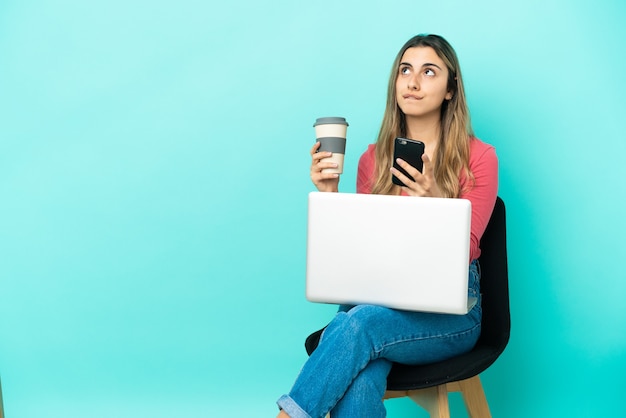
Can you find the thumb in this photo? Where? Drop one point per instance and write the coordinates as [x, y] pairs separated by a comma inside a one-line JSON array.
[[429, 168]]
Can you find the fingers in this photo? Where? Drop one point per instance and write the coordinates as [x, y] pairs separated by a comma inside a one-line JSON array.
[[315, 147], [319, 178], [429, 167], [422, 183], [403, 178], [317, 170], [317, 165], [318, 156], [412, 171], [325, 182]]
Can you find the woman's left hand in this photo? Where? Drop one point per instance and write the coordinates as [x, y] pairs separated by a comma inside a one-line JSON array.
[[424, 184]]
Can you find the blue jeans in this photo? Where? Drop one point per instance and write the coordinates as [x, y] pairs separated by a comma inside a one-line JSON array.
[[347, 373]]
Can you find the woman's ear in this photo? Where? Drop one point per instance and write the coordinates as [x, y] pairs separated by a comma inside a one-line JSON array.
[[450, 93]]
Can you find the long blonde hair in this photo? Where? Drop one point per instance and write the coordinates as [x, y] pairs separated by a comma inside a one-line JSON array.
[[453, 150]]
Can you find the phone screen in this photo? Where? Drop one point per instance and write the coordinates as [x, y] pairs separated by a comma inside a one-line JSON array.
[[410, 151]]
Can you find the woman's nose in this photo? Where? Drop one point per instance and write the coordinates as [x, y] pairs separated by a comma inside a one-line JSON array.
[[414, 83]]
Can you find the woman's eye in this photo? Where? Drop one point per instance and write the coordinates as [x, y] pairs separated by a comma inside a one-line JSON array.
[[429, 72], [405, 70]]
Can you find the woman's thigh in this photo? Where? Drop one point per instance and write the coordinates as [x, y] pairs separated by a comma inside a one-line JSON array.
[[414, 337]]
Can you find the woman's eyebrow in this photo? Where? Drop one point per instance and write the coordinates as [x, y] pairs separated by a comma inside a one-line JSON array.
[[426, 64], [430, 64]]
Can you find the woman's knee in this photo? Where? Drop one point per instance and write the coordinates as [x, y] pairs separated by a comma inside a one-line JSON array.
[[363, 319], [356, 323]]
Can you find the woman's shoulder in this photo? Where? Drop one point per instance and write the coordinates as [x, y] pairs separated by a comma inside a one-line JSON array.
[[476, 144], [369, 153], [371, 149], [480, 149]]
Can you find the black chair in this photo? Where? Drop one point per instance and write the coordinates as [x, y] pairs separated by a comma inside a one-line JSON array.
[[429, 385]]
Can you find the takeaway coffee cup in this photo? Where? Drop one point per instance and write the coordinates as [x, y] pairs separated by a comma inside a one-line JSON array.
[[331, 133]]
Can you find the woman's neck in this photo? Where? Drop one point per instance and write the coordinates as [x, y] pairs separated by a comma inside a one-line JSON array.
[[426, 130]]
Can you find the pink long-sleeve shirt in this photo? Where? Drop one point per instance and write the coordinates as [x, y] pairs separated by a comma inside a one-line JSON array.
[[483, 164]]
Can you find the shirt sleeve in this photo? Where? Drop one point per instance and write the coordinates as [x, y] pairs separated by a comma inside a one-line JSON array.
[[481, 192], [365, 174]]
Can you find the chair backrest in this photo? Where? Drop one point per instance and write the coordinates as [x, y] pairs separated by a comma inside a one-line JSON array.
[[496, 326]]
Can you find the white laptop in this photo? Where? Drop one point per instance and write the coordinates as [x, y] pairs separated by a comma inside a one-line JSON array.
[[402, 252]]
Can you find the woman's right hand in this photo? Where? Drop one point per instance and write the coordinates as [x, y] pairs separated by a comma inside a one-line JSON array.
[[325, 182]]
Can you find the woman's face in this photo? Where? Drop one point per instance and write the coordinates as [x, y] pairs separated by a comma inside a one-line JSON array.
[[422, 82]]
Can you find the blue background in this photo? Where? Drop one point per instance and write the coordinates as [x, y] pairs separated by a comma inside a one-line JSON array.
[[153, 180]]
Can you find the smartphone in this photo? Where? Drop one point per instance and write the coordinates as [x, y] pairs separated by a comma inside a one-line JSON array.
[[410, 151]]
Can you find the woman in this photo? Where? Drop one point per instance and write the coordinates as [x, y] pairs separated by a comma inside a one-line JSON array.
[[347, 373]]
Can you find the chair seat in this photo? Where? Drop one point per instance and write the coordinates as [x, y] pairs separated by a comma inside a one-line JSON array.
[[464, 366]]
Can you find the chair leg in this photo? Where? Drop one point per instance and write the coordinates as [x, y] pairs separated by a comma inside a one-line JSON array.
[[474, 398], [434, 400]]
